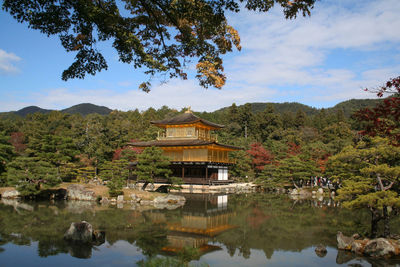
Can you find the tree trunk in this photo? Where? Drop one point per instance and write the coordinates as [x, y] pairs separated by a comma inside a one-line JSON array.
[[386, 219], [145, 185], [295, 185], [376, 217]]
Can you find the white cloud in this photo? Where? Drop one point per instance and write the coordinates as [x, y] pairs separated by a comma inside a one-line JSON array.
[[318, 60], [125, 84], [175, 94], [7, 61], [291, 53]]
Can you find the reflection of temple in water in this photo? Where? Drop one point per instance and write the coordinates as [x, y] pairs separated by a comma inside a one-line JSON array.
[[202, 218]]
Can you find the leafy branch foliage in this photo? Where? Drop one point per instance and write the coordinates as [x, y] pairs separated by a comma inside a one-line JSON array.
[[151, 164], [160, 35]]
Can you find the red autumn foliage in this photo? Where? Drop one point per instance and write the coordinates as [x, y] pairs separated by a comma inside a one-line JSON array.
[[391, 87], [293, 149], [17, 139], [260, 156], [322, 163], [384, 119], [118, 152]]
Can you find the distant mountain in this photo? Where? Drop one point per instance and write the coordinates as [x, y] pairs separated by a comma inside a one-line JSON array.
[[83, 109], [87, 108], [30, 110], [278, 107], [352, 105], [285, 107], [348, 107]]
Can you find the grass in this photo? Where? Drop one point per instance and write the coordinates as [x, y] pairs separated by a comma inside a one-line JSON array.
[[3, 189]]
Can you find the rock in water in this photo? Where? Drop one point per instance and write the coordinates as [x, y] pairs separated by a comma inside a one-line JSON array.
[[170, 199], [120, 199], [78, 192], [104, 200], [10, 194], [321, 251], [80, 232], [294, 192], [358, 246], [344, 242], [99, 237], [135, 198], [379, 247]]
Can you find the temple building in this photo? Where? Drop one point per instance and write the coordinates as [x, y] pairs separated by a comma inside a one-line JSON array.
[[193, 149]]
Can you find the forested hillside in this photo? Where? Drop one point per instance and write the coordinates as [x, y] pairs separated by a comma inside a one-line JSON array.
[[86, 109], [348, 107], [280, 142], [82, 109]]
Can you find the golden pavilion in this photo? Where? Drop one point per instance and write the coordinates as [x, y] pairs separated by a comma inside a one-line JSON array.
[[195, 154]]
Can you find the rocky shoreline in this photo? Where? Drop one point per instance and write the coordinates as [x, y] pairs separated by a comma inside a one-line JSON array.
[[78, 192], [375, 248]]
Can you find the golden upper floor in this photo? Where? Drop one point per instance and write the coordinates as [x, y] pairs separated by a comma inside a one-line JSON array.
[[187, 126]]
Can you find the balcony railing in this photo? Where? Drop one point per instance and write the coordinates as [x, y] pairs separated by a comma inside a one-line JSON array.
[[209, 137], [219, 160]]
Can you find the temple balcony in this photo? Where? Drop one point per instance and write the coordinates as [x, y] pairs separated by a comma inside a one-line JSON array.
[[198, 135]]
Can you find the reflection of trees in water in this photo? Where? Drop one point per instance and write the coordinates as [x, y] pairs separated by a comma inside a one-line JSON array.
[[263, 221], [151, 238], [47, 224], [272, 222]]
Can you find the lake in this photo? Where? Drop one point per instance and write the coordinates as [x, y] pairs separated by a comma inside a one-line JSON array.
[[210, 230]]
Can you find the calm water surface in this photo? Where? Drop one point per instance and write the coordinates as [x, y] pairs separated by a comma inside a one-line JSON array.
[[210, 230]]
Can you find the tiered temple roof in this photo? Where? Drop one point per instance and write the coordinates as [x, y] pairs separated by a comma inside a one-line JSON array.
[[186, 118]]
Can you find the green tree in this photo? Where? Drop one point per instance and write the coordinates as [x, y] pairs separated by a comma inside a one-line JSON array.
[[55, 149], [337, 136], [293, 169], [151, 164], [267, 122], [371, 173], [158, 35], [300, 118], [95, 141], [271, 177], [116, 173], [30, 175], [233, 121], [288, 120], [246, 118], [242, 169], [6, 154]]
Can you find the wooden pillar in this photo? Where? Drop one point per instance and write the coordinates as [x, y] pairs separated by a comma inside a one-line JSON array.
[[206, 172], [183, 172]]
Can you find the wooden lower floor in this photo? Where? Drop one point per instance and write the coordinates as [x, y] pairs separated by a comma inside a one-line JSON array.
[[204, 173]]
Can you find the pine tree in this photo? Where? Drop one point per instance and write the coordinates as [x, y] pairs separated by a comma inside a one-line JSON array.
[[151, 164], [267, 122], [6, 154], [293, 169], [370, 173], [271, 177], [242, 168], [116, 173], [31, 175]]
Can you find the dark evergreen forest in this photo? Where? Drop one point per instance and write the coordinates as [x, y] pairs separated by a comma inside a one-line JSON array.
[[281, 143]]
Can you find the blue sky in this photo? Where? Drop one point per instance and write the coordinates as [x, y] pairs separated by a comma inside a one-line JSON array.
[[345, 45]]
